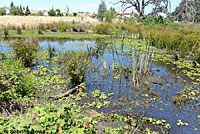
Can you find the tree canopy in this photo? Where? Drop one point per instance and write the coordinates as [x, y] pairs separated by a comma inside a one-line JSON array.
[[27, 12], [157, 6], [187, 11], [101, 10]]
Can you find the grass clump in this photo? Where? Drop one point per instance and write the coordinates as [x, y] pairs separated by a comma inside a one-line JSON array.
[[104, 28], [6, 31], [25, 51], [184, 40], [19, 30], [77, 65]]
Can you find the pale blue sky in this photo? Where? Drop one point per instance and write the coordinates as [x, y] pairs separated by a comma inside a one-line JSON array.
[[74, 5]]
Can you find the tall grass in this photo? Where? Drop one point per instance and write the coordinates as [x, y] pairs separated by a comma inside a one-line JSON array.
[[76, 66], [26, 51], [183, 39]]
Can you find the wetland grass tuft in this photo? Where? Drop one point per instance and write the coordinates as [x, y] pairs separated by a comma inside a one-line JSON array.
[[26, 51]]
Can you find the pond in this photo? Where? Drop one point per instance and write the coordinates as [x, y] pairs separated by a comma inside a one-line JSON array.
[[161, 84]]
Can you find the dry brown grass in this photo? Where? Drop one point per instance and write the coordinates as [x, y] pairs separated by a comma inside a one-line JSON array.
[[32, 21]]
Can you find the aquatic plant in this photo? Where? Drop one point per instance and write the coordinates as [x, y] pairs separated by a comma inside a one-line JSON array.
[[25, 51], [51, 51], [76, 66]]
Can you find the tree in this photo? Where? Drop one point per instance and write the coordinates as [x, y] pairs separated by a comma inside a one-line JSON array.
[[158, 6], [101, 10], [2, 11], [40, 13], [52, 12], [58, 12], [67, 10], [27, 12], [15, 11], [11, 4], [187, 11], [110, 15]]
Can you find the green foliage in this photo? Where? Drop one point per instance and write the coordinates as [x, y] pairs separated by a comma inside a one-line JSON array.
[[50, 119], [109, 15], [6, 31], [187, 95], [52, 12], [58, 12], [77, 65], [185, 40], [2, 11], [19, 30], [104, 28], [27, 12], [75, 14], [14, 82], [16, 11], [11, 4], [101, 10], [150, 20], [25, 51], [40, 31], [40, 13]]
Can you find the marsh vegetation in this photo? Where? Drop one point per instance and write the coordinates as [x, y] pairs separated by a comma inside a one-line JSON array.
[[125, 78]]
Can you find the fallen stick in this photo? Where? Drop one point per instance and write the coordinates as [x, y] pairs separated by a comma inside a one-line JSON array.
[[70, 91]]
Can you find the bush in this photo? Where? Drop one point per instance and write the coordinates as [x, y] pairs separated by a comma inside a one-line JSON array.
[[25, 51]]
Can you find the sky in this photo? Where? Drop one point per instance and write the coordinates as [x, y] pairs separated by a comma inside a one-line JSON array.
[[74, 5]]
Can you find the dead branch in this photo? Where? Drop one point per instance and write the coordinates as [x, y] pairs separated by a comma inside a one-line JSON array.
[[68, 92]]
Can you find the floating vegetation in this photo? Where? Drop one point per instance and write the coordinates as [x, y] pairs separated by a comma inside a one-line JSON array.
[[187, 95]]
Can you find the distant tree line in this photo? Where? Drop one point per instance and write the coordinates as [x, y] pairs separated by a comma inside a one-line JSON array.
[[16, 10]]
